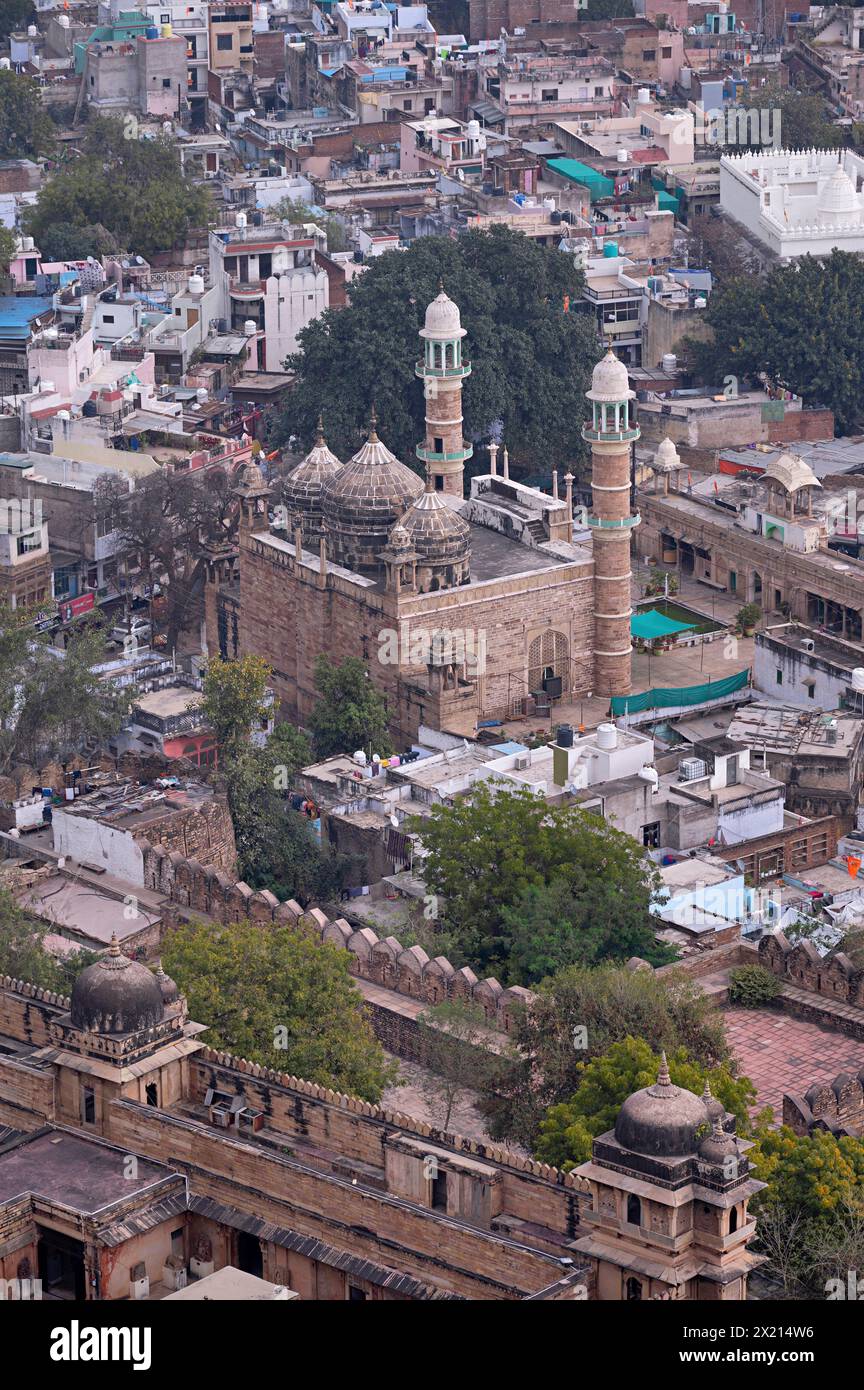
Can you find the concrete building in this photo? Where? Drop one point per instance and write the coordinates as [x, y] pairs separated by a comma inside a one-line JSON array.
[[25, 566], [796, 204], [231, 44], [803, 666]]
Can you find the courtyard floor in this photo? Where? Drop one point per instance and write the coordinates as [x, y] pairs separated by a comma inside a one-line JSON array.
[[780, 1053]]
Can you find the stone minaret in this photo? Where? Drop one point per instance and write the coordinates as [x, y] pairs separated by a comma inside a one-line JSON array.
[[612, 431], [442, 371]]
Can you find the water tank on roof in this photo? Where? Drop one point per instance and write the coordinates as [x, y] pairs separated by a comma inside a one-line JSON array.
[[196, 284], [610, 249], [643, 96], [240, 219], [63, 21], [201, 395], [5, 64], [89, 409], [257, 219], [250, 328], [670, 362], [47, 388], [623, 156], [858, 678], [151, 32], [607, 736], [166, 31], [564, 736], [64, 415]]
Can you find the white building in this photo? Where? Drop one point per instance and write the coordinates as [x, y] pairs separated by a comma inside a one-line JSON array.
[[805, 203]]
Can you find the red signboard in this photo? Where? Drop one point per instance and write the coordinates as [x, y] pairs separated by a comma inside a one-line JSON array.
[[74, 607]]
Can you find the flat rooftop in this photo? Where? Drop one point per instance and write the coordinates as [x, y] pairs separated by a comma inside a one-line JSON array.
[[80, 908], [76, 1172], [171, 700]]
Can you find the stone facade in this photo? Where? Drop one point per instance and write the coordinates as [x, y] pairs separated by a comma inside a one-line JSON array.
[[837, 1106], [835, 976]]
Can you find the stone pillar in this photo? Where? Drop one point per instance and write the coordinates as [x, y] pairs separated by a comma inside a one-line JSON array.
[[442, 371]]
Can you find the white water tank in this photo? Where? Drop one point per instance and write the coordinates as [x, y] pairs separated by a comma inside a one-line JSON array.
[[240, 219], [5, 64], [32, 31], [473, 130], [51, 334], [28, 244], [623, 156], [63, 21], [201, 394], [250, 328], [47, 388], [360, 758], [643, 96], [196, 284], [858, 678], [670, 362], [607, 736]]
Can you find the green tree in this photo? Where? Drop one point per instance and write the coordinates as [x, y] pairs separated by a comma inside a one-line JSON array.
[[64, 242], [804, 117], [281, 998], [134, 188], [23, 954], [295, 211], [578, 1014], [609, 9], [26, 129], [13, 15], [552, 925], [530, 361], [486, 855], [606, 1081], [50, 705], [802, 327], [350, 713], [234, 702]]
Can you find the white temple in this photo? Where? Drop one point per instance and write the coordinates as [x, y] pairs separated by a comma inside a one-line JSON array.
[[797, 203]]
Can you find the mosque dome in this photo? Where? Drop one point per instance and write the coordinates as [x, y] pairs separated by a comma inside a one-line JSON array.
[[662, 1121], [442, 319], [610, 382], [252, 479], [838, 203], [116, 995], [437, 532], [303, 488], [667, 457], [719, 1146], [364, 500]]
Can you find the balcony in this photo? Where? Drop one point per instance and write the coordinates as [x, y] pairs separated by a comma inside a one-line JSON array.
[[592, 436], [624, 523], [247, 289], [421, 370], [432, 456]]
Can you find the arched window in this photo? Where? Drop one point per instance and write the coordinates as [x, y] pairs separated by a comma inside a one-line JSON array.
[[634, 1290], [549, 653], [634, 1210], [733, 1220]]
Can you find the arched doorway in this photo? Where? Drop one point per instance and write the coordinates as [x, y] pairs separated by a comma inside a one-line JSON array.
[[549, 664]]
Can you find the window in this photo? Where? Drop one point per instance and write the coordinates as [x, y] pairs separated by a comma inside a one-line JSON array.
[[438, 444], [439, 483], [549, 94], [634, 1210], [665, 52], [166, 81], [224, 42], [811, 690], [648, 55], [439, 1192], [407, 106], [779, 677], [152, 1093], [356, 1295], [88, 1105], [633, 1290], [177, 1243], [107, 318], [165, 18], [651, 835], [733, 1220], [599, 91]]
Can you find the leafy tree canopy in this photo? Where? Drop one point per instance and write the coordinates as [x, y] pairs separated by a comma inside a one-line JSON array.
[[134, 188], [23, 954], [281, 998], [803, 327], [804, 117], [293, 210], [26, 129], [577, 1015], [606, 1082], [234, 699], [529, 888], [530, 361], [64, 242], [350, 712], [50, 705]]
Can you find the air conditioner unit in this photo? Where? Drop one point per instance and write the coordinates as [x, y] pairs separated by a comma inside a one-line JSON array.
[[174, 1273], [808, 644], [139, 1283], [220, 1115], [523, 760]]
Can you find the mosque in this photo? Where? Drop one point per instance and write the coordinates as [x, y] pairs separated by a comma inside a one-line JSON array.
[[463, 608]]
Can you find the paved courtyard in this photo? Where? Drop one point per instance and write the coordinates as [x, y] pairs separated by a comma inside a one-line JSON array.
[[780, 1053]]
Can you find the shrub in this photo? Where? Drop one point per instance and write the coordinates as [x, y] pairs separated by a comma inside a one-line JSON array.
[[752, 985]]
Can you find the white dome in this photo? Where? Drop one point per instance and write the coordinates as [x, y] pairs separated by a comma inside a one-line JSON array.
[[442, 319], [838, 203], [791, 472], [666, 458], [610, 381]]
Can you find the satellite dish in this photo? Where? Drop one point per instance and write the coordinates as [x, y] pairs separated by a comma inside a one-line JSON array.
[[461, 175], [394, 820]]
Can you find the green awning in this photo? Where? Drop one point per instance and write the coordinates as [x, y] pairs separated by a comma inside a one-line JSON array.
[[676, 697], [651, 623], [596, 183]]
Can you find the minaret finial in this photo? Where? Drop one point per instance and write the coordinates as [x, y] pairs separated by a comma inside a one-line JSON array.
[[320, 429], [373, 425], [706, 1094], [114, 948], [663, 1077], [441, 284]]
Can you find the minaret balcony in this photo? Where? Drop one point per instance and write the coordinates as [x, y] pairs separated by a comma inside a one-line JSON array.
[[453, 373], [432, 456], [592, 436], [623, 523]]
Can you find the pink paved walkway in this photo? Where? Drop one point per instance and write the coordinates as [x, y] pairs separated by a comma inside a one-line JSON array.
[[780, 1053]]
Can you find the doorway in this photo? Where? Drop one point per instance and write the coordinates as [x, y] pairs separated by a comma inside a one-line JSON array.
[[61, 1266], [250, 1257]]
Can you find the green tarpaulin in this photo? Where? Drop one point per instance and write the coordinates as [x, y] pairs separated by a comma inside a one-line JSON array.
[[651, 623], [682, 695], [597, 184]]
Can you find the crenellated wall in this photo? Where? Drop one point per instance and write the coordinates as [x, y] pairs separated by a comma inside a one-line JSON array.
[[382, 961], [836, 978], [837, 1106]]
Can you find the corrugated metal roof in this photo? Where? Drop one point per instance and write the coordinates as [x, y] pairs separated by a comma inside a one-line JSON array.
[[139, 1222]]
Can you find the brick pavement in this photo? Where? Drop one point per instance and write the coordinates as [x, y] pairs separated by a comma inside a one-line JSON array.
[[780, 1053]]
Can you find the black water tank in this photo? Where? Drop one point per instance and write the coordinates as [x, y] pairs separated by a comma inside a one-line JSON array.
[[88, 408], [564, 736]]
